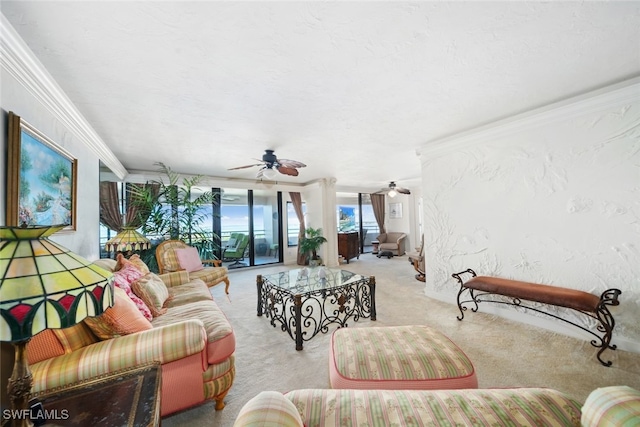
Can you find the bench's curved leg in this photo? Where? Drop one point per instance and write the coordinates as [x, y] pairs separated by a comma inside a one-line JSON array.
[[607, 322], [462, 289]]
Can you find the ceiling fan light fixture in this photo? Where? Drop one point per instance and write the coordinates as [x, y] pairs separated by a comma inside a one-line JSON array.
[[392, 193], [269, 173]]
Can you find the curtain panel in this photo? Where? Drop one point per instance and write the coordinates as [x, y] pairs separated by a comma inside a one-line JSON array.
[[377, 202], [296, 200], [137, 208]]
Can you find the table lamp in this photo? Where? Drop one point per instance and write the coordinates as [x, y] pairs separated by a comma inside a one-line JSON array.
[[127, 240], [43, 286]]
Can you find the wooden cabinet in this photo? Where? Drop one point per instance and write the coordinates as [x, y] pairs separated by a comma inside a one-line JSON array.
[[349, 245]]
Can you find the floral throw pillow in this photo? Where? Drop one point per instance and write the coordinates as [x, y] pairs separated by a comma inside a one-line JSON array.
[[123, 279]]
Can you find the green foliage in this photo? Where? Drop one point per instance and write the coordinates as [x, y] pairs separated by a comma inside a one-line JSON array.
[[176, 212], [311, 242]]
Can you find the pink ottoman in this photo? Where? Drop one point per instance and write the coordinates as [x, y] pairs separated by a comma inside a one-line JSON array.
[[398, 358]]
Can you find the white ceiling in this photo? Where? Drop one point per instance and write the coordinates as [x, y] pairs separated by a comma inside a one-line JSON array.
[[352, 89]]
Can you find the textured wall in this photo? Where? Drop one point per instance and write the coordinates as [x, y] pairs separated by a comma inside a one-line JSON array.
[[555, 203], [85, 240]]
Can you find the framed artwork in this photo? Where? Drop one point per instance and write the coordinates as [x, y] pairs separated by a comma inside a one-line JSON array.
[[41, 179], [395, 210]]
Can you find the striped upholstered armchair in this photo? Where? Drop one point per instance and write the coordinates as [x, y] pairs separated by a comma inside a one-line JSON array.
[[176, 255]]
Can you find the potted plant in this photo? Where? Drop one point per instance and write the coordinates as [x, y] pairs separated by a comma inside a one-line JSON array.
[[177, 213], [310, 244]]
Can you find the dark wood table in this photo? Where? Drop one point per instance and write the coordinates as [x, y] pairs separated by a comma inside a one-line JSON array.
[[126, 398]]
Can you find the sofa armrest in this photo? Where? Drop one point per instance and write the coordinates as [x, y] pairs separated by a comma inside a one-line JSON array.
[[175, 278], [269, 408], [163, 344], [611, 406]]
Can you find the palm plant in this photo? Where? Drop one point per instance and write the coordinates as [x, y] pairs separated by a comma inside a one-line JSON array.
[[176, 212], [311, 242]]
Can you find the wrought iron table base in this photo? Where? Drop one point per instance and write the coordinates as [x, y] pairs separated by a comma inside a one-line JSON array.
[[317, 309]]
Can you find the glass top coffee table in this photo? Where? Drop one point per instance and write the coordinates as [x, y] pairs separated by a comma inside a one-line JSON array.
[[306, 301]]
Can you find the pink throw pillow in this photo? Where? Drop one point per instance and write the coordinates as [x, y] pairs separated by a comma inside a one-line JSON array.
[[123, 279], [189, 259]]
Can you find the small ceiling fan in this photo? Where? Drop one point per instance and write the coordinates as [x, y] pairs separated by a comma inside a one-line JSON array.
[[392, 190], [270, 163]]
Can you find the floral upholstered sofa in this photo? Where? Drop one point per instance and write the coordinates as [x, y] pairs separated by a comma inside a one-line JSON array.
[[166, 318], [609, 406]]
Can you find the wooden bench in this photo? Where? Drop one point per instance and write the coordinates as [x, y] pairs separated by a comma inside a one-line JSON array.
[[482, 288]]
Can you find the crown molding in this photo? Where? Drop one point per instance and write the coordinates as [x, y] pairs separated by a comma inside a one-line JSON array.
[[20, 62], [620, 94]]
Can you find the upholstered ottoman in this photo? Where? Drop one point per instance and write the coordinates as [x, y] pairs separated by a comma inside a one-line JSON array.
[[398, 358]]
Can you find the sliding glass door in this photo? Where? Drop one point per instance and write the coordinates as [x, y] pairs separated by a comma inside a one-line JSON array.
[[355, 213], [266, 227], [249, 227]]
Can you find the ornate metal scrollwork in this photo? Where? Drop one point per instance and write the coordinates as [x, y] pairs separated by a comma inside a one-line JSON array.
[[304, 314], [604, 318], [462, 289]]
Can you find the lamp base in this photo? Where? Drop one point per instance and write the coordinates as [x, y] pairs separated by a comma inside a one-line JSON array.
[[19, 387]]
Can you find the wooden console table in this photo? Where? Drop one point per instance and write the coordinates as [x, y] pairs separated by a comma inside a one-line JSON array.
[[127, 398]]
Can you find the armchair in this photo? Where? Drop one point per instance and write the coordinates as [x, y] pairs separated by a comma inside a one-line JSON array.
[[419, 266], [235, 252], [416, 258], [175, 255], [393, 242], [418, 253]]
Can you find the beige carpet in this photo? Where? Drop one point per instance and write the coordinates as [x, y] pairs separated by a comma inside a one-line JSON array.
[[505, 353]]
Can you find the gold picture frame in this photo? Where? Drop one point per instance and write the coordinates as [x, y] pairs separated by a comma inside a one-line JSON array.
[[41, 179]]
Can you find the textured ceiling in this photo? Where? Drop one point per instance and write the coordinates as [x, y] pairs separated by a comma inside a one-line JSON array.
[[352, 89]]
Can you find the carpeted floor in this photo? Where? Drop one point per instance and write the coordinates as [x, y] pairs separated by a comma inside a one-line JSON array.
[[505, 353]]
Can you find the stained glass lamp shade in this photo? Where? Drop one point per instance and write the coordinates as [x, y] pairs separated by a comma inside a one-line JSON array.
[[127, 240], [43, 286]]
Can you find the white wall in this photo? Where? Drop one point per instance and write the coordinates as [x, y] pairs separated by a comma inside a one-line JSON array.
[[552, 197], [15, 97], [320, 198], [27, 89]]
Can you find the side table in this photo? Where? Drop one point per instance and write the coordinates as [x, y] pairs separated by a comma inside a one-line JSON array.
[[127, 398], [374, 245]]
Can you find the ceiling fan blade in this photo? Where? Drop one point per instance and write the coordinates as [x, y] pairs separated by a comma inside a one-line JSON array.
[[287, 171], [403, 190], [246, 166], [291, 163]]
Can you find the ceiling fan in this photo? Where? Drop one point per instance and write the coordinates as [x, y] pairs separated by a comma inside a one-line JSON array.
[[270, 164], [393, 190]]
